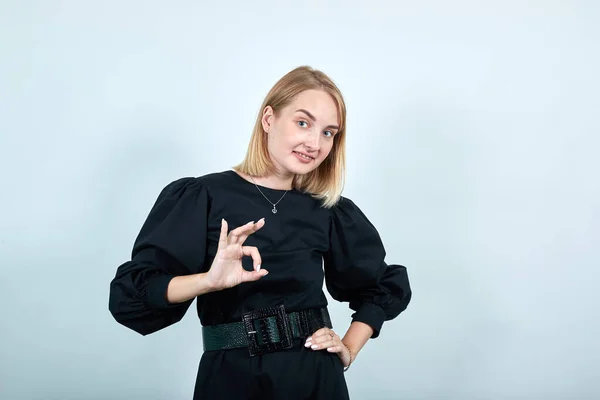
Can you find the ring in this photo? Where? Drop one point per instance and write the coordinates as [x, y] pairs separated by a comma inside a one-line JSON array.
[[331, 334]]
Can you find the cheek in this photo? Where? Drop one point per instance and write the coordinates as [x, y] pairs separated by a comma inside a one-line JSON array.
[[327, 148], [277, 143], [274, 136], [271, 144], [288, 137], [279, 134]]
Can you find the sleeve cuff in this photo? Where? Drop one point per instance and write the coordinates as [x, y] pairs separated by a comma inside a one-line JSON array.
[[156, 291], [372, 315]]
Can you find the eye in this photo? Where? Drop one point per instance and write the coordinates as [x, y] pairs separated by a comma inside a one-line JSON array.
[[302, 122], [328, 133]]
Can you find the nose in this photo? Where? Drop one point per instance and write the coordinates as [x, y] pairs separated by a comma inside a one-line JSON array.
[[312, 142]]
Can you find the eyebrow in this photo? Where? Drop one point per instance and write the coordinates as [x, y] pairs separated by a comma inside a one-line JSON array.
[[315, 120]]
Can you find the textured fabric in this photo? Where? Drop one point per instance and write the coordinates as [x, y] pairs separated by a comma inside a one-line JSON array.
[[301, 246], [269, 329]]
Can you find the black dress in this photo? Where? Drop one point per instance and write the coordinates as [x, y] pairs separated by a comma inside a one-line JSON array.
[[300, 245]]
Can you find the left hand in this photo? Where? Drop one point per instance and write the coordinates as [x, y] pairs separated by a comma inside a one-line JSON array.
[[327, 339]]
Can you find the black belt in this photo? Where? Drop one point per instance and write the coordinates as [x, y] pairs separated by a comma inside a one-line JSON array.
[[265, 330]]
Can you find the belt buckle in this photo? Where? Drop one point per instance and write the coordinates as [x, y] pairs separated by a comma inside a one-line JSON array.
[[260, 333]]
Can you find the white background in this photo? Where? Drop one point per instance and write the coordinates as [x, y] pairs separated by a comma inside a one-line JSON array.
[[472, 146]]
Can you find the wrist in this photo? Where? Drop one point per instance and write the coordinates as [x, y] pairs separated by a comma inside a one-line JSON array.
[[352, 356], [353, 349], [205, 284]]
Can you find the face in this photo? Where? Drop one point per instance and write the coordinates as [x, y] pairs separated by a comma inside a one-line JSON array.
[[300, 135]]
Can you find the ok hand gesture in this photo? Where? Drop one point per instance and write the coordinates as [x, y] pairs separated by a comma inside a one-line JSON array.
[[226, 270]]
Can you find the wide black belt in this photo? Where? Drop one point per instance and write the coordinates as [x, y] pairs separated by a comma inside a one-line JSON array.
[[265, 330]]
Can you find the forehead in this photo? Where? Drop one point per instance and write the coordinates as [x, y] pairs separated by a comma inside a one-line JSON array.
[[318, 103]]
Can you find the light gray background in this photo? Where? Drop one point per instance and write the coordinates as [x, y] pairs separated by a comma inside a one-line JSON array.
[[472, 146]]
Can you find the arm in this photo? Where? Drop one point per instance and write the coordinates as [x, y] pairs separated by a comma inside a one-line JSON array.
[[169, 250], [356, 272], [188, 287], [356, 337]]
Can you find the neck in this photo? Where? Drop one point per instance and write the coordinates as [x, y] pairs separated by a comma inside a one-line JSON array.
[[275, 181]]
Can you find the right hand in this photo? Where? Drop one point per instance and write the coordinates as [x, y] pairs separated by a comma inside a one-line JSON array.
[[226, 270]]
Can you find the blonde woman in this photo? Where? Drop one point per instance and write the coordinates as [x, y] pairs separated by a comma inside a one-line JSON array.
[[254, 244]]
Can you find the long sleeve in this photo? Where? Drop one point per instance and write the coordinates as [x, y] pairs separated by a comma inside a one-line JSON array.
[[356, 271], [171, 242]]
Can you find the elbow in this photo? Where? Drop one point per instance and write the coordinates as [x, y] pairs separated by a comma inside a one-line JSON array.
[[133, 322], [404, 300], [128, 313], [136, 315]]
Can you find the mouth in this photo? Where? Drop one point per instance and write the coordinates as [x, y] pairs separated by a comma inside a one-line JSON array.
[[303, 156]]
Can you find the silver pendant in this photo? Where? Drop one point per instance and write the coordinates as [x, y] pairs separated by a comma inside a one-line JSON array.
[[274, 210]]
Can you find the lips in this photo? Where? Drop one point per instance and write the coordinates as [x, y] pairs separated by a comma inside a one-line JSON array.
[[305, 158]]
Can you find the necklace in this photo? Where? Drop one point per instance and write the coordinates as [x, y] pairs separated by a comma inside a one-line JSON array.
[[274, 210]]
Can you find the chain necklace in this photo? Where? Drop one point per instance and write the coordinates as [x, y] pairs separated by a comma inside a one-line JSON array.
[[274, 210]]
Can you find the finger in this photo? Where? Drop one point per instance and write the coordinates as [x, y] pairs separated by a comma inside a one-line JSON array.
[[243, 236], [322, 335], [319, 337], [250, 276], [223, 235], [255, 254], [237, 232], [335, 348], [320, 332], [321, 345], [255, 227], [259, 224]]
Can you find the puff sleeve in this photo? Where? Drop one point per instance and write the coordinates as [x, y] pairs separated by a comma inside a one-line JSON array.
[[171, 242], [356, 271]]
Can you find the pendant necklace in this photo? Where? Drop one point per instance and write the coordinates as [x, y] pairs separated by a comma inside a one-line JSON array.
[[274, 210]]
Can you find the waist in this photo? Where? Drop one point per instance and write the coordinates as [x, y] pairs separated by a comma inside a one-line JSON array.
[[265, 330]]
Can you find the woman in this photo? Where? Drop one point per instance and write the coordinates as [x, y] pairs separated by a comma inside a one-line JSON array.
[[266, 330]]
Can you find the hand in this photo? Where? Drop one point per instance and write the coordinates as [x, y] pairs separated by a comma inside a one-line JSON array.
[[226, 270], [326, 338]]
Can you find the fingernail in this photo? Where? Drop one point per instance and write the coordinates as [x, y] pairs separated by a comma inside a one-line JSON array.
[[262, 219], [329, 348], [307, 344], [314, 346], [250, 223], [258, 268]]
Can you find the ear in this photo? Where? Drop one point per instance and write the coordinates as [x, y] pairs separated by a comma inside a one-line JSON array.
[[267, 118]]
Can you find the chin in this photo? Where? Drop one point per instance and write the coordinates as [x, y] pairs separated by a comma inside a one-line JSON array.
[[302, 169]]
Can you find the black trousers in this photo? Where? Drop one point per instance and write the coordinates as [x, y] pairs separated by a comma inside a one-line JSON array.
[[293, 374]]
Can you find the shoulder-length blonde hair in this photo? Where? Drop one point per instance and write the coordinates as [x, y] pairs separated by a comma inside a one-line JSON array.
[[326, 182]]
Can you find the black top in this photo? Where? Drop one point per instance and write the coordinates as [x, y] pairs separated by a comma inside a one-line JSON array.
[[300, 246]]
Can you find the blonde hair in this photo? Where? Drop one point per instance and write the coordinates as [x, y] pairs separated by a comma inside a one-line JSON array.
[[326, 182]]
